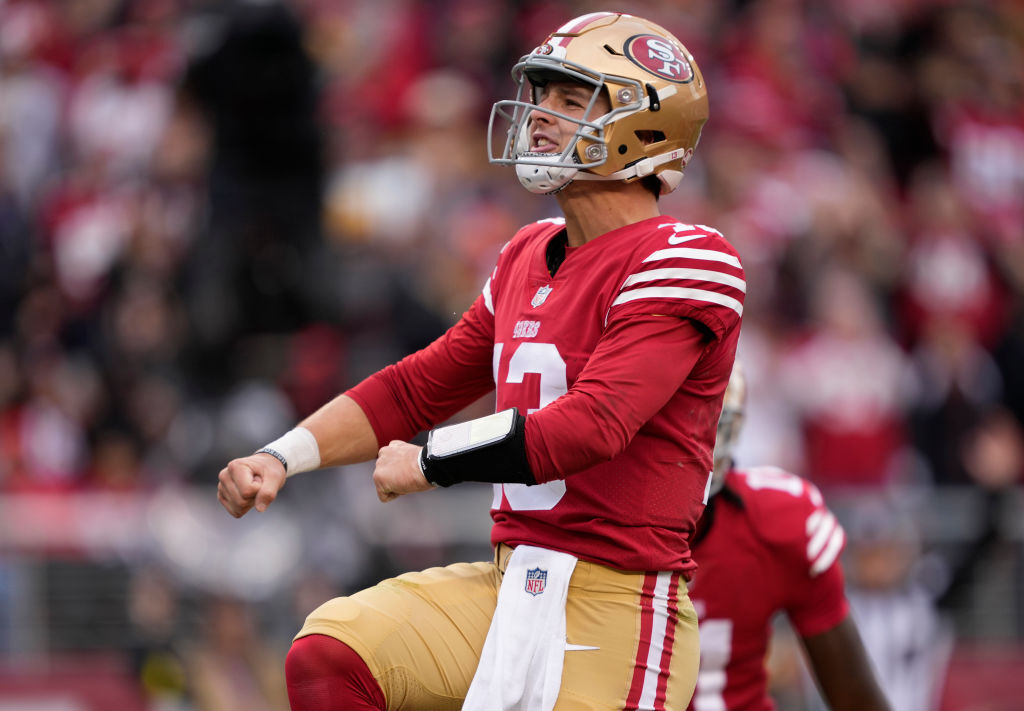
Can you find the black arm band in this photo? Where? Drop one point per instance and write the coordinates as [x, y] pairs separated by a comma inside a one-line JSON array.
[[499, 458]]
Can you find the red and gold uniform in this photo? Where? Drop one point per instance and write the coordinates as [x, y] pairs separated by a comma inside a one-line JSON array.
[[620, 361], [771, 546], [623, 401]]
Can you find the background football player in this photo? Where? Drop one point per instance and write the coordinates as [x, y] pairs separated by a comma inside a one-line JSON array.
[[767, 544], [608, 336]]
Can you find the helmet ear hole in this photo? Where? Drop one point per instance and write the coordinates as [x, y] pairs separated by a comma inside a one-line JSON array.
[[648, 138], [622, 148]]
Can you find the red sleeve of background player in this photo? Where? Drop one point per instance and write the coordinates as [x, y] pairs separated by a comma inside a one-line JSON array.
[[809, 541], [636, 368], [817, 598], [821, 604], [429, 386]]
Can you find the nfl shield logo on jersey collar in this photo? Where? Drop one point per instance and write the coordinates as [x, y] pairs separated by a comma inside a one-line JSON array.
[[536, 578], [540, 296]]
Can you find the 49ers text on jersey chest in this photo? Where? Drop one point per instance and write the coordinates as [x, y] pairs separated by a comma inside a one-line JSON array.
[[526, 329]]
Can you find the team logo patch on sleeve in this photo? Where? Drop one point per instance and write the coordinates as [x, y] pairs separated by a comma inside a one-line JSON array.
[[536, 581]]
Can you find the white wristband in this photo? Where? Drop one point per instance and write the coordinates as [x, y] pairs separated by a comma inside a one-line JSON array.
[[297, 450]]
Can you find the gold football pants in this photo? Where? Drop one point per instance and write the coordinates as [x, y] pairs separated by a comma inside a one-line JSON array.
[[421, 635]]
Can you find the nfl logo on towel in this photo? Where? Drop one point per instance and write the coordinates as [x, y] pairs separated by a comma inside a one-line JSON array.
[[536, 579]]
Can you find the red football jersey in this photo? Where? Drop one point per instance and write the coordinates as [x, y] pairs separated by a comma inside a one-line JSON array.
[[622, 394], [776, 551]]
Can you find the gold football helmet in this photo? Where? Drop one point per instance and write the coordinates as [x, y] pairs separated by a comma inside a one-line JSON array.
[[730, 423], [658, 103]]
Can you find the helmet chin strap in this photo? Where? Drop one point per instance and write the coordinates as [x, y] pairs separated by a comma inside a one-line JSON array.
[[543, 179], [640, 169]]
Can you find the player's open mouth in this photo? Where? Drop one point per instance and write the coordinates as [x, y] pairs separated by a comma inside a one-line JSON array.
[[542, 144]]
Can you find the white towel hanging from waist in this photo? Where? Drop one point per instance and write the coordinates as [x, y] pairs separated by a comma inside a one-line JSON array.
[[521, 664]]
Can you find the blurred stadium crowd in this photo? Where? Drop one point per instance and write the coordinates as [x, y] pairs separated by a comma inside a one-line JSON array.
[[214, 215]]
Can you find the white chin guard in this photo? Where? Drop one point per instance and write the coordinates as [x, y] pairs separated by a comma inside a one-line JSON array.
[[544, 179]]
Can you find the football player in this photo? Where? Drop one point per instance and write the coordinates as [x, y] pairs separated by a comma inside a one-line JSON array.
[[768, 544], [608, 335]]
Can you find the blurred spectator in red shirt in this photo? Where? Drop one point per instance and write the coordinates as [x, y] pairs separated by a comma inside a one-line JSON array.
[[851, 385]]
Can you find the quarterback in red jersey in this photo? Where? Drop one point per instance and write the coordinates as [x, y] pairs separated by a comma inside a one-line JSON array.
[[768, 544], [608, 336]]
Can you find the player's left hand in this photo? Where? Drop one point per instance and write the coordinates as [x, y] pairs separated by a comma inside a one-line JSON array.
[[398, 471]]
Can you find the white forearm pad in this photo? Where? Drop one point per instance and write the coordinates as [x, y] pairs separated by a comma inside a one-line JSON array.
[[297, 450]]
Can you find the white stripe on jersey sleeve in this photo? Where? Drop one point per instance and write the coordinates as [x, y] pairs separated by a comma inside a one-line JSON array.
[[678, 292], [831, 552], [819, 527], [488, 301], [826, 540], [691, 253], [681, 273]]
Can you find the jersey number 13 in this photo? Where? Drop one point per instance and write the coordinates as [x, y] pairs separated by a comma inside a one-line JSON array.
[[541, 359]]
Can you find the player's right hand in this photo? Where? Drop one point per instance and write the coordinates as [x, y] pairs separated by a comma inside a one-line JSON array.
[[249, 482]]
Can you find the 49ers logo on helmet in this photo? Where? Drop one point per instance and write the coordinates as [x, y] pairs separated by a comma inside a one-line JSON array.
[[660, 57]]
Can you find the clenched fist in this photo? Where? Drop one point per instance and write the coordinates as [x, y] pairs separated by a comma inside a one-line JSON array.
[[398, 471], [248, 482]]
